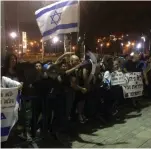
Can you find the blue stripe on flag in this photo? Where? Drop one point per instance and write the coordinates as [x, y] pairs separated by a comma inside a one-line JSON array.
[[60, 5], [5, 131], [58, 27]]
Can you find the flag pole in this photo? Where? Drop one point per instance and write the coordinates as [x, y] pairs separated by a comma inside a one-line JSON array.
[[42, 51], [78, 33]]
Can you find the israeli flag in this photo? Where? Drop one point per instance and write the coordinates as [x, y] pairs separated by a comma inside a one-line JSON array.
[[58, 18]]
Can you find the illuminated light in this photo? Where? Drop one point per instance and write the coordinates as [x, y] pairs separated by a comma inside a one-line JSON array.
[[122, 44], [15, 50], [98, 40], [31, 43], [133, 44], [60, 41], [19, 52], [122, 36], [41, 40], [127, 35], [115, 39], [108, 44], [35, 42], [143, 38], [129, 42], [13, 35], [132, 54], [139, 45], [127, 45], [55, 39], [73, 48], [119, 38], [101, 45]]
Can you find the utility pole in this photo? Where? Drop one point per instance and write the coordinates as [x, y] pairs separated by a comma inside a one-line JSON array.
[[3, 38]]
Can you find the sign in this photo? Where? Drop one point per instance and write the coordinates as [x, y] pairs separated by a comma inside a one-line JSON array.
[[9, 117], [8, 97], [9, 106], [134, 87], [118, 78], [24, 41]]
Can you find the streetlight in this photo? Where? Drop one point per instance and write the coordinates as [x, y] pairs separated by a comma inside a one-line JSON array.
[[73, 48], [101, 47], [139, 45], [108, 44], [133, 44], [132, 54], [13, 35], [127, 45], [31, 43], [55, 39]]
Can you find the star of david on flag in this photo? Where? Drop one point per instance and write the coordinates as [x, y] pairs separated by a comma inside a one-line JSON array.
[[55, 18], [58, 18]]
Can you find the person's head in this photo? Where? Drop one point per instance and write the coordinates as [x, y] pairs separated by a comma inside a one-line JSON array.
[[136, 58], [74, 60], [11, 61], [116, 64], [149, 59], [128, 57], [38, 66], [109, 64]]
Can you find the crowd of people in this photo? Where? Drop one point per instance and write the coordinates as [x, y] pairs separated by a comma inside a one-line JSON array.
[[64, 90]]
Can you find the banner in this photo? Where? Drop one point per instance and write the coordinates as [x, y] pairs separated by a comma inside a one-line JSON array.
[[134, 87], [8, 97], [9, 106], [118, 78], [58, 18]]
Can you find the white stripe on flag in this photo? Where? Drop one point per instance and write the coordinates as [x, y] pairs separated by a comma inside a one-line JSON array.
[[58, 18]]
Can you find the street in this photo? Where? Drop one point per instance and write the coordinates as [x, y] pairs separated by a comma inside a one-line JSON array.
[[133, 131]]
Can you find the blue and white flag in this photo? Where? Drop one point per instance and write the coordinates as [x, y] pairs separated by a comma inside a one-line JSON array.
[[9, 106], [58, 18]]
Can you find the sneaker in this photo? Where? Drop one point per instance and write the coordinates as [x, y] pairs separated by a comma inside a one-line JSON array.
[[81, 120], [84, 118]]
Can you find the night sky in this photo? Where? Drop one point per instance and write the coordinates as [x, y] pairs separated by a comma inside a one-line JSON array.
[[96, 18]]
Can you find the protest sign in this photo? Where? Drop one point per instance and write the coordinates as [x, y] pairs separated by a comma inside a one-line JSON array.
[[117, 78], [134, 87], [8, 97], [9, 106]]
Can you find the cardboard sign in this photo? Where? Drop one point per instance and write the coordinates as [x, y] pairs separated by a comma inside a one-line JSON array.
[[8, 97], [118, 78], [134, 87]]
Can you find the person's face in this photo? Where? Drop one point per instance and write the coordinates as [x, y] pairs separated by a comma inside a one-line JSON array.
[[115, 65], [136, 58], [38, 67], [64, 67], [75, 62], [13, 61]]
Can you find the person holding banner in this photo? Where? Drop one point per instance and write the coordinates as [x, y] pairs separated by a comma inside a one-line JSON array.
[[117, 79]]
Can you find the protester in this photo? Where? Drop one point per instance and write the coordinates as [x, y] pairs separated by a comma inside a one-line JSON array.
[[147, 76], [73, 89], [10, 67]]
